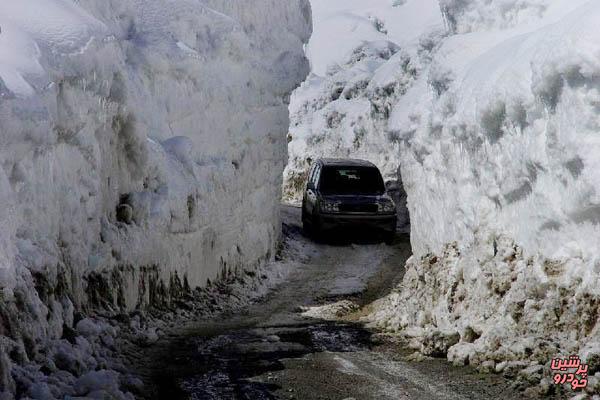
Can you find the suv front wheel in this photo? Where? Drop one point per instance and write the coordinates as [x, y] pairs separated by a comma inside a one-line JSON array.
[[306, 226], [315, 228]]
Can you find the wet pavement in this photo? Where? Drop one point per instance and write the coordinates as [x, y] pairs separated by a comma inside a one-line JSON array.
[[272, 351]]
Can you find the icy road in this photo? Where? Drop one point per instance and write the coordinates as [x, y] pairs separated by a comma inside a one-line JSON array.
[[293, 344]]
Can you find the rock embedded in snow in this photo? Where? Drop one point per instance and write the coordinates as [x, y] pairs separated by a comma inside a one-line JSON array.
[[125, 213]]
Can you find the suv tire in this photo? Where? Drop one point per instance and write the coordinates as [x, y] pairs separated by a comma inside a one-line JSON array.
[[389, 237], [315, 228], [307, 226]]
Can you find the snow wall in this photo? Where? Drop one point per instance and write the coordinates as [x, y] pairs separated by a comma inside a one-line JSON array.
[[499, 151], [142, 146]]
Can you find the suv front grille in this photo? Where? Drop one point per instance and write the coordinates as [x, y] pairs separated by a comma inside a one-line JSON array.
[[359, 208]]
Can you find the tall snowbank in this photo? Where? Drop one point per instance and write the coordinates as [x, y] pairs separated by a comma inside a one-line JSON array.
[[142, 149], [502, 138], [499, 158]]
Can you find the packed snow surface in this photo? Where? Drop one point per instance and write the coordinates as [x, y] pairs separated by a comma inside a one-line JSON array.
[[142, 145], [490, 109]]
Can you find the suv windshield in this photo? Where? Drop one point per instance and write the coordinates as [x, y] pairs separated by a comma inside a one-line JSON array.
[[351, 180]]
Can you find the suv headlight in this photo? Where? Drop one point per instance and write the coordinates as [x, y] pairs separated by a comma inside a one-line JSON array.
[[330, 206], [386, 206]]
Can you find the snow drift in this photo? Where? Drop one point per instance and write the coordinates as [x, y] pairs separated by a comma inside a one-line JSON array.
[[142, 149]]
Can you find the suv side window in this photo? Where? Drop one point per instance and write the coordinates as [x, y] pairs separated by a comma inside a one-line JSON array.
[[311, 176], [317, 177]]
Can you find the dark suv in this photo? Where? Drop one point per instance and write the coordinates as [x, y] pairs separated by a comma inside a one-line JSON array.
[[347, 193]]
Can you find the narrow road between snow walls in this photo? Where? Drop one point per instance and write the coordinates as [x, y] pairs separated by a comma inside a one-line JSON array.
[[304, 339]]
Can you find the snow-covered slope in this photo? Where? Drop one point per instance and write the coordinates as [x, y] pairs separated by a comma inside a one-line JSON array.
[[493, 119], [142, 149]]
